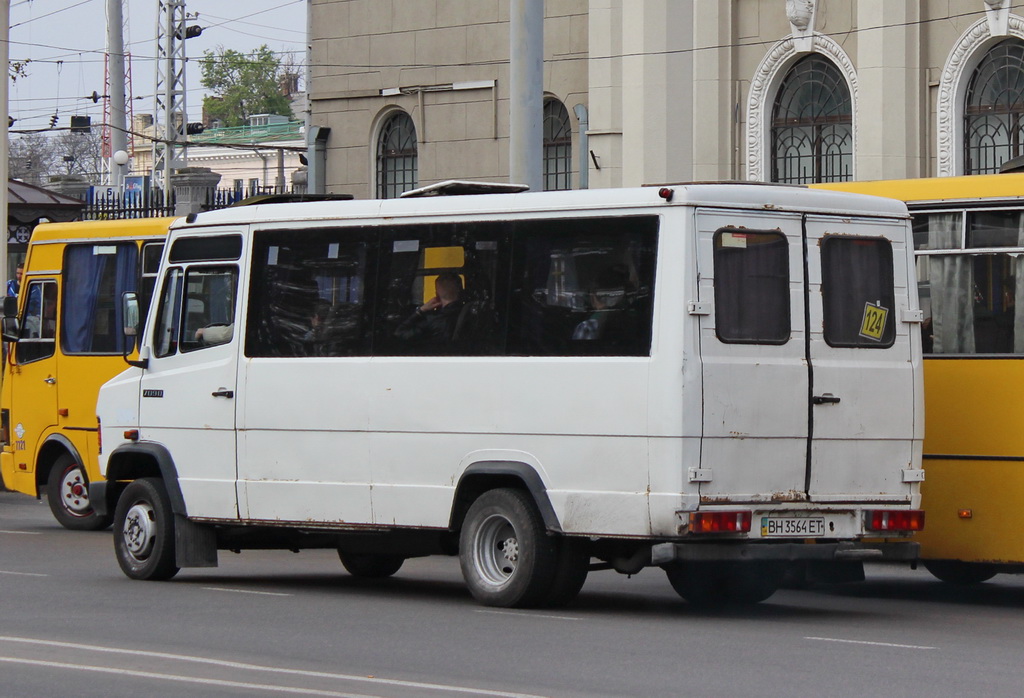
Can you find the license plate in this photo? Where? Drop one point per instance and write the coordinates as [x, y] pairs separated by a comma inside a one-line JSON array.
[[796, 526]]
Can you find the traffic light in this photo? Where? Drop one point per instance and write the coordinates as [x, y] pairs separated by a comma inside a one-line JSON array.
[[194, 128], [53, 121]]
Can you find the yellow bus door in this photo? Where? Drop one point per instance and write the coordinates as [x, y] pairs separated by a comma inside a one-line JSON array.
[[33, 378]]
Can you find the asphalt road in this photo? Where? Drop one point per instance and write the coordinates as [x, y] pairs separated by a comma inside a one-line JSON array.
[[279, 623]]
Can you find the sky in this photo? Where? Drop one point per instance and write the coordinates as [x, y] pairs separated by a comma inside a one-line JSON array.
[[65, 42]]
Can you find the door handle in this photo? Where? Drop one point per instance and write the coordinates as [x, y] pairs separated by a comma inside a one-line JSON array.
[[826, 399], [51, 380], [223, 392]]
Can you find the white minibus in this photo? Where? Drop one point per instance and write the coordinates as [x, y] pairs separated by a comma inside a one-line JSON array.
[[721, 380]]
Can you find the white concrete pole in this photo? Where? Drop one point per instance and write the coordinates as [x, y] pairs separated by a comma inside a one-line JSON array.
[[526, 98], [5, 57], [115, 64]]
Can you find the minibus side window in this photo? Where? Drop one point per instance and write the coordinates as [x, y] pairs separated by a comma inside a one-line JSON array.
[[583, 287], [440, 290], [857, 292], [168, 318], [209, 310], [751, 287], [308, 294], [38, 327], [95, 277]]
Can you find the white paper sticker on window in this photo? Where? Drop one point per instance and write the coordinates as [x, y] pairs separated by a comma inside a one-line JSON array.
[[406, 246], [272, 256], [104, 249], [733, 240], [332, 250]]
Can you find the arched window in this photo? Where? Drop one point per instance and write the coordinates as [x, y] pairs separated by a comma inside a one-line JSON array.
[[993, 109], [396, 156], [557, 147], [812, 125]]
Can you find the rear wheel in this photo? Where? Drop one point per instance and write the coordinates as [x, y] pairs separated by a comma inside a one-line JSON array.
[[67, 492], [962, 573], [713, 584], [144, 531], [506, 556], [370, 566]]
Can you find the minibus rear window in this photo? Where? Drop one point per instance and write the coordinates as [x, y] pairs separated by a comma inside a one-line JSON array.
[[213, 248], [857, 291], [751, 287]]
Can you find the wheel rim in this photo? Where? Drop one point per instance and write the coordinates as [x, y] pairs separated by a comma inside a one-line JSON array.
[[74, 492], [497, 550], [139, 530]]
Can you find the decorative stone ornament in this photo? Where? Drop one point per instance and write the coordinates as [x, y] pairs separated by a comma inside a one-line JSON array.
[[801, 22], [997, 13]]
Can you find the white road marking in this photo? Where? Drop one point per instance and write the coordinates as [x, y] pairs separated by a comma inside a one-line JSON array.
[[253, 667], [182, 679], [25, 574], [22, 533], [525, 614], [247, 591], [878, 644]]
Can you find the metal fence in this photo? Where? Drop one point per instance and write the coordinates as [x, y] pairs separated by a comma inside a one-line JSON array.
[[130, 204], [111, 205]]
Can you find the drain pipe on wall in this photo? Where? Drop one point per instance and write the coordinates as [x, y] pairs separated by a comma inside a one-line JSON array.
[[584, 176]]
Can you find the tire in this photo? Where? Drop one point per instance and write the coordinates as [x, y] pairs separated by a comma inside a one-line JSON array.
[[507, 558], [961, 573], [715, 584], [570, 572], [370, 566], [144, 531], [67, 492]]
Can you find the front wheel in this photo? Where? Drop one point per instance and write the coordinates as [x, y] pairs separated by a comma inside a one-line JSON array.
[[144, 531], [67, 493], [507, 558], [370, 566], [961, 573]]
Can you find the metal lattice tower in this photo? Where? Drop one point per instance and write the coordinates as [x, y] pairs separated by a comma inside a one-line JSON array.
[[169, 112]]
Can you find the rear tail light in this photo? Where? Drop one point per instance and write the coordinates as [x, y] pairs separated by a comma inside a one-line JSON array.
[[720, 522], [881, 520], [99, 435]]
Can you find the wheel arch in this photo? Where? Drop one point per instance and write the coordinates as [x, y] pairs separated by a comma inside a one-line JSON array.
[[137, 460], [482, 476], [52, 448]]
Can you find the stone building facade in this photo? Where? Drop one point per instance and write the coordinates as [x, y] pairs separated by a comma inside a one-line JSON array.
[[417, 91]]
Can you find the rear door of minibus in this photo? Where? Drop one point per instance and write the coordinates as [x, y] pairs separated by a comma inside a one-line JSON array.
[[794, 416]]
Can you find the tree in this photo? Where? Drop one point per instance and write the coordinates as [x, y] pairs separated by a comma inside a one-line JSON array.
[[242, 84], [34, 157]]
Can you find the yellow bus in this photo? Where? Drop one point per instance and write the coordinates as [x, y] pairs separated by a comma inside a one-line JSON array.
[[969, 248], [65, 339]]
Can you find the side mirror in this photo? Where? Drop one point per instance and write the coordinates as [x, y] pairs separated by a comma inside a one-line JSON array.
[[9, 328], [10, 306], [130, 313]]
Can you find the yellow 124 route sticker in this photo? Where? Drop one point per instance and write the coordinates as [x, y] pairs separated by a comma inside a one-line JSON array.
[[873, 324]]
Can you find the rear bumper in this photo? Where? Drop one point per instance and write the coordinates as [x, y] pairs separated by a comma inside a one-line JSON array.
[[668, 553]]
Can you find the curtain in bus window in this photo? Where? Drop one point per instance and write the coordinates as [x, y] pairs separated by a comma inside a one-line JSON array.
[[858, 297], [951, 289], [751, 287], [95, 276], [1018, 292]]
